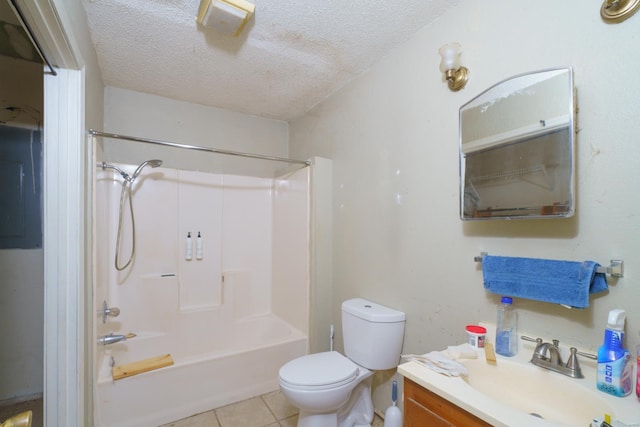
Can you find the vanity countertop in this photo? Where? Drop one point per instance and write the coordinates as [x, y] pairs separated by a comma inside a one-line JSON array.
[[459, 392]]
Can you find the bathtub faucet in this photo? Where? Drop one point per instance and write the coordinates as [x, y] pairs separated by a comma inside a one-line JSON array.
[[111, 339]]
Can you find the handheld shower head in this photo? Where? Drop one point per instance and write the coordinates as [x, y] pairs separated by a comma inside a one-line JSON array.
[[153, 163]]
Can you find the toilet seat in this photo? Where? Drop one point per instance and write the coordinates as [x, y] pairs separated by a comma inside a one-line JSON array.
[[319, 371]]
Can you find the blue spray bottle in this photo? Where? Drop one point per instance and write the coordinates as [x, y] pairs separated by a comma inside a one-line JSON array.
[[615, 367]]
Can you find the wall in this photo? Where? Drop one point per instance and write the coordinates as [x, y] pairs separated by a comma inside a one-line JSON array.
[[22, 270], [392, 136], [149, 116]]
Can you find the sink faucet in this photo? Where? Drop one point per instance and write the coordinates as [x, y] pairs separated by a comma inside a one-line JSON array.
[[547, 355], [111, 339], [543, 348]]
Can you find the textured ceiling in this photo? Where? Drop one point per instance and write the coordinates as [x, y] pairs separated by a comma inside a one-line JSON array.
[[291, 56]]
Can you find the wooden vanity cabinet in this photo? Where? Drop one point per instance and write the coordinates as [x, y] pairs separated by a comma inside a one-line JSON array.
[[424, 408]]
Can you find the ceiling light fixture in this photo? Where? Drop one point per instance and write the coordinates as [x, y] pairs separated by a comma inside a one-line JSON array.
[[455, 74], [226, 16]]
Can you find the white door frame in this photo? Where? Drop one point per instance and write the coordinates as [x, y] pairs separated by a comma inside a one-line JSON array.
[[66, 394], [64, 192]]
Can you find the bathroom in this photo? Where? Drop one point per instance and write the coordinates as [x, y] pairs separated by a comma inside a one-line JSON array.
[[391, 135]]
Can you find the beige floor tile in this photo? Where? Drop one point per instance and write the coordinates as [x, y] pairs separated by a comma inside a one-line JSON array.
[[377, 422], [256, 412], [279, 405], [206, 419], [249, 413], [290, 422]]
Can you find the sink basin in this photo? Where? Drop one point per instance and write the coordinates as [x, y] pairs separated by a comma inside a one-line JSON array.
[[537, 391]]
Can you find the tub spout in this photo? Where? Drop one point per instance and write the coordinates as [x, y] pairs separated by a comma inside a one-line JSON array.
[[111, 339]]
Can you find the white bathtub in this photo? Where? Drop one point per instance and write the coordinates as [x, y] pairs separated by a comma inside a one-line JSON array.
[[214, 366]]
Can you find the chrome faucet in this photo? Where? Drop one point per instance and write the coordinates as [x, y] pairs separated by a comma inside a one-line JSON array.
[[111, 339], [547, 355]]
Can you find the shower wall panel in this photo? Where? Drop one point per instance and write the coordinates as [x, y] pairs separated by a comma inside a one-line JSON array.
[[234, 216], [199, 206], [247, 238]]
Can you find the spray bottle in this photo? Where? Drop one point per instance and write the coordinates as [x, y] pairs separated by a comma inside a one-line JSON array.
[[638, 371], [615, 365]]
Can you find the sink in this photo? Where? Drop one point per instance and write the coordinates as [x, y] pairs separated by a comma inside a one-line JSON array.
[[537, 391]]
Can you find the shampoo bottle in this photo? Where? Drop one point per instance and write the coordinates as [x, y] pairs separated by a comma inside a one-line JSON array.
[[188, 248], [615, 366], [199, 246]]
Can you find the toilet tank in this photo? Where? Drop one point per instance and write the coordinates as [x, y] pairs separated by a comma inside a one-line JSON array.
[[372, 334]]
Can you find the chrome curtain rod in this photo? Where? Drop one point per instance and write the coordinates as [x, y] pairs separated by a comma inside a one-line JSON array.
[[196, 147]]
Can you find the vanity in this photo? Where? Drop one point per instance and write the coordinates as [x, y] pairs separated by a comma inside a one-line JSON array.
[[422, 407], [512, 392]]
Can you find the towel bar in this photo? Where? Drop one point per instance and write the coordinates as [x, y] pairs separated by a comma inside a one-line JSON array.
[[616, 269]]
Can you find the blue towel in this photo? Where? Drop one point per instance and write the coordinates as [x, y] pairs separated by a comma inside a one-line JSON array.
[[561, 282]]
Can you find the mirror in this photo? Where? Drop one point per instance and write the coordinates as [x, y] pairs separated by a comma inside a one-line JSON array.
[[517, 149]]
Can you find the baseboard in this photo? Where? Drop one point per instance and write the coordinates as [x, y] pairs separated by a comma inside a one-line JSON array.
[[20, 399]]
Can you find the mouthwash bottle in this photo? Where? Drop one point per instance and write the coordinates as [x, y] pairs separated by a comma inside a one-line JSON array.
[[615, 366]]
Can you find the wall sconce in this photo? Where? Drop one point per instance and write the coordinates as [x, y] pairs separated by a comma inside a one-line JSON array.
[[455, 74], [614, 11]]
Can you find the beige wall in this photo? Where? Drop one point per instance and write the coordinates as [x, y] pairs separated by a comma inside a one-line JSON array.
[[150, 116], [392, 135]]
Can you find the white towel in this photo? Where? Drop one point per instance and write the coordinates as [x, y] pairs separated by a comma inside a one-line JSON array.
[[444, 362]]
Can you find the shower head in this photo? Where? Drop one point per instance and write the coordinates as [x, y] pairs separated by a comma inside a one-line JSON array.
[[153, 163]]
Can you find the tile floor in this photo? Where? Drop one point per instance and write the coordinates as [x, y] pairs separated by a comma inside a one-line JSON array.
[[268, 410]]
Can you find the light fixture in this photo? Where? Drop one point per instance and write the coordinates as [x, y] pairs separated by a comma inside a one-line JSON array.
[[226, 16], [613, 11], [455, 74]]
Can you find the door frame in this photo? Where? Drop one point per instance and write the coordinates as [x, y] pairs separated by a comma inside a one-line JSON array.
[[64, 248], [67, 387]]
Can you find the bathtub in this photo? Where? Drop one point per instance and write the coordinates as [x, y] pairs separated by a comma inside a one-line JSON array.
[[213, 367]]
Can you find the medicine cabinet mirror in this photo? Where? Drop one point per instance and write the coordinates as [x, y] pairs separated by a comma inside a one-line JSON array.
[[517, 149]]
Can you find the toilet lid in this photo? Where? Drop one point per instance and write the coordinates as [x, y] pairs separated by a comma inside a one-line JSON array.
[[320, 370]]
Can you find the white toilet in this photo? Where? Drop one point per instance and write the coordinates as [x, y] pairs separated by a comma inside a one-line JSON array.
[[332, 390]]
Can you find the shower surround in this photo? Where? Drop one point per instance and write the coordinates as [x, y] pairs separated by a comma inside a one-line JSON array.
[[230, 319]]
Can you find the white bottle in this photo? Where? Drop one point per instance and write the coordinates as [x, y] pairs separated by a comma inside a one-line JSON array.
[[199, 246], [189, 248]]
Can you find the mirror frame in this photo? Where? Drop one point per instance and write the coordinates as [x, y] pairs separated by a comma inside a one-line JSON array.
[[544, 212]]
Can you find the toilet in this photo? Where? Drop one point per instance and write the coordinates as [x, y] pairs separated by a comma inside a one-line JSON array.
[[332, 390]]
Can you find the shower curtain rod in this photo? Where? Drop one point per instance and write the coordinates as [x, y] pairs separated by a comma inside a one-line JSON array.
[[93, 132]]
